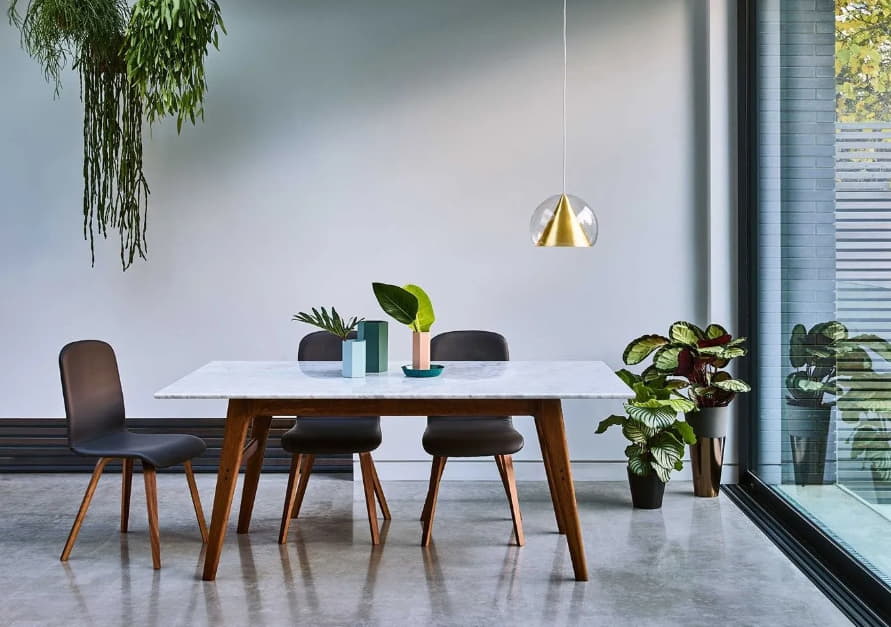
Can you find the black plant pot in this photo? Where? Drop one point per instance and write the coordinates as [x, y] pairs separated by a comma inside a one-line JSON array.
[[646, 492], [808, 434]]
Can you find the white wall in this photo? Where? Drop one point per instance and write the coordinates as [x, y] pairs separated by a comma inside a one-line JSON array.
[[351, 141]]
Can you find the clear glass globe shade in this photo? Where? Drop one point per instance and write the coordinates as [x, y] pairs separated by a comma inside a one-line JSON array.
[[573, 224]]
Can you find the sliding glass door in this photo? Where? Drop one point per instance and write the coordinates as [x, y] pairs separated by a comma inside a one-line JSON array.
[[821, 424]]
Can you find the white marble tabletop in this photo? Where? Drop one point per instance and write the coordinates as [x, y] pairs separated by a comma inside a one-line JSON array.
[[459, 379]]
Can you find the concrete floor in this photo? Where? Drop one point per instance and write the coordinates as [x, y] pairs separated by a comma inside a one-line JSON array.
[[695, 562], [863, 528]]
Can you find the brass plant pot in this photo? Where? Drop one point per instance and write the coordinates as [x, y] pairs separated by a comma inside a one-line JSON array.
[[707, 459], [707, 455]]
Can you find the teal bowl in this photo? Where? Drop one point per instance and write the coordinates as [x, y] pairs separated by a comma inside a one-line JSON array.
[[435, 371]]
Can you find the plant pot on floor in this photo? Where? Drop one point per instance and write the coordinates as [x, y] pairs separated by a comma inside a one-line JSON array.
[[353, 359], [646, 492], [707, 455], [808, 434]]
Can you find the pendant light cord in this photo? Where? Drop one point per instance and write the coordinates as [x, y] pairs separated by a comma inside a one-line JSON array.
[[564, 96]]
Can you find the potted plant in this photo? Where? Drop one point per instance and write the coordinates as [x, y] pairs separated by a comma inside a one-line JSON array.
[[865, 404], [657, 437], [698, 356], [411, 306], [353, 350]]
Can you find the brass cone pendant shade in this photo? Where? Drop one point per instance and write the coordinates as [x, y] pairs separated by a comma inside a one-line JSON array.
[[564, 220], [564, 227]]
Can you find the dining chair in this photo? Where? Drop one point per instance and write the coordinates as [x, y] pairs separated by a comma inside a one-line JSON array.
[[453, 436], [94, 408], [330, 435]]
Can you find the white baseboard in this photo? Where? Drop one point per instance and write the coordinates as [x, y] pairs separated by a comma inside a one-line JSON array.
[[484, 469]]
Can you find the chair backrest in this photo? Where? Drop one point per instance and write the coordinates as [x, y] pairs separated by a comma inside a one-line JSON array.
[[321, 346], [469, 346], [91, 387]]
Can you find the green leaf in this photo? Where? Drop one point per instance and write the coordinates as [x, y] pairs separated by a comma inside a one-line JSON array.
[[666, 358], [425, 316], [396, 302], [682, 405], [639, 349], [685, 431], [635, 431], [732, 385], [664, 474], [638, 466], [657, 417], [714, 331], [606, 423], [685, 333], [628, 377]]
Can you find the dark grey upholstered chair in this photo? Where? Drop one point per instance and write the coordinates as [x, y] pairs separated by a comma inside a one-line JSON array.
[[94, 406], [447, 436], [317, 436]]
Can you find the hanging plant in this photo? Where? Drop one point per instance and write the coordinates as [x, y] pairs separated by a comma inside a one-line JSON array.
[[129, 70], [167, 43]]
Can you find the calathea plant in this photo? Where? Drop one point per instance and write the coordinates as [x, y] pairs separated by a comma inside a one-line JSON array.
[[133, 63], [657, 437], [817, 355], [696, 355]]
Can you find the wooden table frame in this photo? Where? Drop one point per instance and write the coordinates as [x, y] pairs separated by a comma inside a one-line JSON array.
[[257, 414]]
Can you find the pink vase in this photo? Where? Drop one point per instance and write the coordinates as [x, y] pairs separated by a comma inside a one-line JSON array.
[[420, 350]]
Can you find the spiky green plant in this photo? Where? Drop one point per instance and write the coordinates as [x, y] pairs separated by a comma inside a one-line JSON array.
[[657, 437], [330, 322]]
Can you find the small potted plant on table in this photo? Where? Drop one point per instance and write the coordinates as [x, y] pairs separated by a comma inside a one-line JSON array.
[[657, 437], [411, 306], [697, 356], [353, 350]]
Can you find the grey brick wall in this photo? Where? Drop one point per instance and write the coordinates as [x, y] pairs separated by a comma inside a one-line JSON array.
[[797, 210]]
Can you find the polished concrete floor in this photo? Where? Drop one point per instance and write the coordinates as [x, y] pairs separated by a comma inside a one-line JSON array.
[[695, 562]]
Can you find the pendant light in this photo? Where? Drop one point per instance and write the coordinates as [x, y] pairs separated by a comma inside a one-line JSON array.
[[564, 219]]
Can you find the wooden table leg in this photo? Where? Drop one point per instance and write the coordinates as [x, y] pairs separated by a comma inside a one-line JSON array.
[[546, 460], [238, 417], [259, 433], [552, 434]]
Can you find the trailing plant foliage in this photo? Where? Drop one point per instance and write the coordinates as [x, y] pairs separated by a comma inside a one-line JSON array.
[[167, 43], [818, 354], [330, 322], [409, 305], [97, 38], [657, 437], [697, 356]]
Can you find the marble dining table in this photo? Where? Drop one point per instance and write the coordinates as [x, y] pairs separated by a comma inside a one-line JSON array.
[[258, 390]]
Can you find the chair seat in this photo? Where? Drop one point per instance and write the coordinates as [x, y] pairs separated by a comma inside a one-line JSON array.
[[159, 450], [471, 437], [331, 436]]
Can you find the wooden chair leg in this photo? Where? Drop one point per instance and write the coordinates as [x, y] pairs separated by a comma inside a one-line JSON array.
[[368, 484], [432, 492], [305, 470], [84, 506], [506, 464], [290, 499], [425, 513], [126, 489], [378, 489], [151, 503], [196, 500]]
